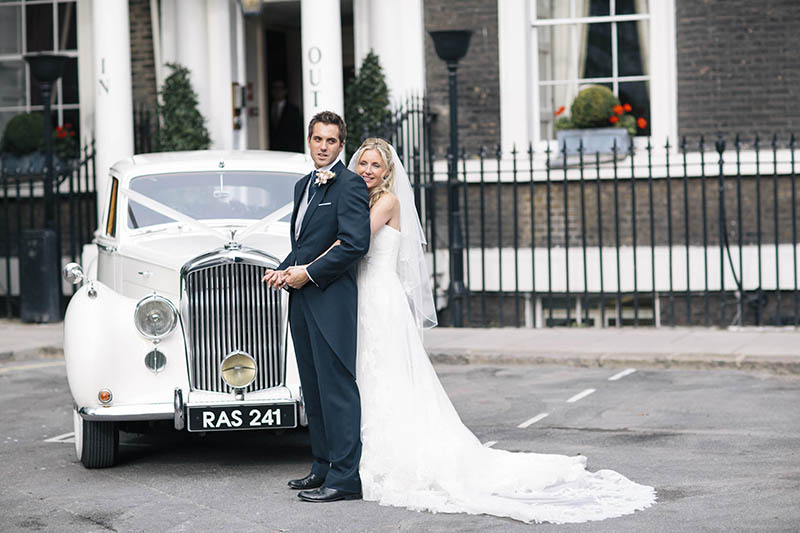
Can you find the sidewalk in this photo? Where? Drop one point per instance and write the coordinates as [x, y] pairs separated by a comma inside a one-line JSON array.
[[774, 350]]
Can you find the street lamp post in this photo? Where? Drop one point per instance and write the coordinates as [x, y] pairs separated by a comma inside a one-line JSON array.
[[46, 68], [451, 46]]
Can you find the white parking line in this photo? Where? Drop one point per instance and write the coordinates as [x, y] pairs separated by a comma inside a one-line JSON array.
[[31, 366], [489, 444], [620, 375], [533, 420], [581, 395], [66, 437]]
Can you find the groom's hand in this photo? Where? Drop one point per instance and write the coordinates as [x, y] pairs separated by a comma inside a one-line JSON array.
[[296, 277]]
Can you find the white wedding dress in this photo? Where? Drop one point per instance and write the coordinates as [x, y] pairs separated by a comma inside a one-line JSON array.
[[416, 451]]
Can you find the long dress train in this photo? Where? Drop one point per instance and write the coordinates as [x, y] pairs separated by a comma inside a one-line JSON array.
[[416, 451]]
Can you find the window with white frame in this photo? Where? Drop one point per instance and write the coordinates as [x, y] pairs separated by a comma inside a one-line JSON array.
[[38, 26], [590, 42]]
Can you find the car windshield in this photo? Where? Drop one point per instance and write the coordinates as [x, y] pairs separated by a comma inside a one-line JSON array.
[[211, 195]]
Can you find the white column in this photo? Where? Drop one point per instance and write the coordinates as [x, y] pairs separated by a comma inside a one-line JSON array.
[[113, 104], [192, 49], [321, 38], [220, 103], [663, 74], [395, 32], [514, 52]]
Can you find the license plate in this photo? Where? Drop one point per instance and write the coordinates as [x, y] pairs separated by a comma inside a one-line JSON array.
[[232, 417]]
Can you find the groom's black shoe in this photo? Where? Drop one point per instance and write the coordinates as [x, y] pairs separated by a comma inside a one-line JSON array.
[[326, 494], [311, 481]]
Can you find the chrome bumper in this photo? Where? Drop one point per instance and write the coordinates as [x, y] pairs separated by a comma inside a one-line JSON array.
[[125, 413]]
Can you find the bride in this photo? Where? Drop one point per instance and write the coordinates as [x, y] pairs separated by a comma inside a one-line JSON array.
[[416, 451]]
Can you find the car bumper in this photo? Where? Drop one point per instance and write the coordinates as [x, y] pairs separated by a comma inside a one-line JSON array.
[[177, 410]]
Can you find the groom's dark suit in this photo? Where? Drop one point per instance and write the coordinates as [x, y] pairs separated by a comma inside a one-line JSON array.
[[322, 316]]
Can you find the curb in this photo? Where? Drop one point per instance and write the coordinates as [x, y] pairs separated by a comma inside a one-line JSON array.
[[782, 365], [26, 354], [773, 364]]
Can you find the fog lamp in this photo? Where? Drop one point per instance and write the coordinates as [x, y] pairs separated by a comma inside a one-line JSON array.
[[105, 396], [155, 361], [238, 370], [155, 317]]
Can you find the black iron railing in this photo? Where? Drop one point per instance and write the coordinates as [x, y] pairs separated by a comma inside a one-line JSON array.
[[703, 233], [75, 208]]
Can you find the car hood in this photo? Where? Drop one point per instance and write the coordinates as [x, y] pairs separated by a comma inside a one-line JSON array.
[[173, 248]]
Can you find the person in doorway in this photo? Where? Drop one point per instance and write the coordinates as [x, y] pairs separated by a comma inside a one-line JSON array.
[[285, 121]]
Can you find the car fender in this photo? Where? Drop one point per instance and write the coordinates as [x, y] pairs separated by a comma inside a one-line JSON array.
[[104, 350]]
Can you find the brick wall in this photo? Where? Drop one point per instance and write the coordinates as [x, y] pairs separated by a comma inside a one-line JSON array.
[[142, 63], [738, 68], [478, 73]]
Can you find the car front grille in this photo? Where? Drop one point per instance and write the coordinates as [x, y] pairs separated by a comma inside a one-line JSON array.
[[228, 308]]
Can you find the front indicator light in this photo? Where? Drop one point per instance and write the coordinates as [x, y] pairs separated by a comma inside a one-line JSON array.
[[105, 396], [155, 317], [238, 370]]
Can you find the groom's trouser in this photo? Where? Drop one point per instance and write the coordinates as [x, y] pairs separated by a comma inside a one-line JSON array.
[[332, 402]]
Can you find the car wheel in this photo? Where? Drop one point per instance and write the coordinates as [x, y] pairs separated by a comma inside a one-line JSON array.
[[96, 443]]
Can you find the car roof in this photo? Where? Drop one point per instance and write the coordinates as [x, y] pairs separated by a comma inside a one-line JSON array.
[[211, 160]]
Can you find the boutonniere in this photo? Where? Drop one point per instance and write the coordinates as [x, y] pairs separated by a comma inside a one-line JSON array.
[[324, 176]]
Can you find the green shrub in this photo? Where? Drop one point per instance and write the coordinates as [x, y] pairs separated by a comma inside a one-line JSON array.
[[23, 134], [366, 103], [563, 123], [182, 125], [593, 106]]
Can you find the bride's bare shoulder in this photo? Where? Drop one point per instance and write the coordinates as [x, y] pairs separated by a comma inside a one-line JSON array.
[[387, 201]]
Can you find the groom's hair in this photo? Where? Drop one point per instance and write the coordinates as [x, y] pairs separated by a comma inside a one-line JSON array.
[[329, 117]]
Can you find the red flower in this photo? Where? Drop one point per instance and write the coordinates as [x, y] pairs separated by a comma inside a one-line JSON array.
[[67, 125], [627, 108], [614, 119], [560, 110], [641, 122], [618, 109], [61, 133]]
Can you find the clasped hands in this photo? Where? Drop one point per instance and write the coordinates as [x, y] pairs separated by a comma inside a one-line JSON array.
[[294, 276]]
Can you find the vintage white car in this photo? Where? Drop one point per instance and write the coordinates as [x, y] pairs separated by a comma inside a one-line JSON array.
[[177, 324]]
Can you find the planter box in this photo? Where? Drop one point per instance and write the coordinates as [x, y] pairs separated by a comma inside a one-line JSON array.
[[594, 140], [32, 164]]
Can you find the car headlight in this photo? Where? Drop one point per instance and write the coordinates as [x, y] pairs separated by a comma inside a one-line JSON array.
[[155, 317], [238, 370]]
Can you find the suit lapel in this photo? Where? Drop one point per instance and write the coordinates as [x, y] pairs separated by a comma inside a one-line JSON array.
[[321, 192]]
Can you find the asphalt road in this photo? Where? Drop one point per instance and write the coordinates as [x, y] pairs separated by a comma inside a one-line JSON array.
[[721, 448]]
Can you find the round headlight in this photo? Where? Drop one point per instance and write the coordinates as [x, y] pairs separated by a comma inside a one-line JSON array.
[[238, 370], [155, 317]]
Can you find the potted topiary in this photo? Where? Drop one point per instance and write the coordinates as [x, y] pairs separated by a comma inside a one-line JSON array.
[[598, 122], [22, 145], [366, 104], [182, 125]]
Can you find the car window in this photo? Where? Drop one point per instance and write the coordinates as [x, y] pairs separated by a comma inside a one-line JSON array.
[[111, 222], [212, 195]]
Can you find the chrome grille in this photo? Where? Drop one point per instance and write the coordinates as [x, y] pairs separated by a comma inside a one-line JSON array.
[[229, 308]]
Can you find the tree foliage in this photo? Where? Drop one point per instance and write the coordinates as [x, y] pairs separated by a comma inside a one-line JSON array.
[[182, 125], [366, 104]]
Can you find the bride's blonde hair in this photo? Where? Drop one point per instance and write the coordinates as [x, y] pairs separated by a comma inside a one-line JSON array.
[[384, 150]]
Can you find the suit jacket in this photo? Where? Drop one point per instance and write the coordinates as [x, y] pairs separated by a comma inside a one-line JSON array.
[[339, 210], [287, 134]]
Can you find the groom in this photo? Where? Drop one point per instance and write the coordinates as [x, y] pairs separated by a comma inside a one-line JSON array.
[[330, 204]]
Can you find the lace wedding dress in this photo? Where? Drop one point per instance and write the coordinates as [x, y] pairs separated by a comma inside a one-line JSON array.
[[416, 451]]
